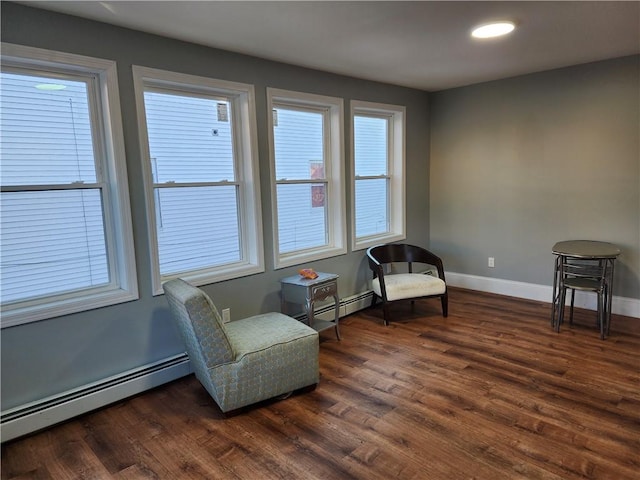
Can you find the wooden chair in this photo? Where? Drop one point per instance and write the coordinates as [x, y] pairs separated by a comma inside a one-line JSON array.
[[412, 285]]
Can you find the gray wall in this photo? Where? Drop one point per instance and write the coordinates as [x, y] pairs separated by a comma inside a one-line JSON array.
[[51, 356], [519, 164]]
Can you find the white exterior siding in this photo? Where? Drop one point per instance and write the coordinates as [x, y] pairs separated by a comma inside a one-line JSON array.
[[46, 134], [299, 149], [187, 141], [371, 159], [53, 241], [190, 141]]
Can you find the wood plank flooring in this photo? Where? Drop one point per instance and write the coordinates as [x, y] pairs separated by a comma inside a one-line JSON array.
[[491, 392]]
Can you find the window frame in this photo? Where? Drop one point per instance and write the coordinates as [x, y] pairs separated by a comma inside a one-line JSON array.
[[109, 152], [396, 203], [333, 146], [242, 100]]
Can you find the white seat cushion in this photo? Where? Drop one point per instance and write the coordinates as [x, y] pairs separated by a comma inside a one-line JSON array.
[[409, 285]]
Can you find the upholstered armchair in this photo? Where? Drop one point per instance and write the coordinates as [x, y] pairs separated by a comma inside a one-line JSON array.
[[245, 361], [402, 285]]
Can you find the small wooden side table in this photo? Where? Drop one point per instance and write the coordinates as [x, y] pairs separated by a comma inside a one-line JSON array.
[[306, 292]]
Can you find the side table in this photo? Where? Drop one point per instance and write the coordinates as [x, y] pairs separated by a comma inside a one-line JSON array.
[[306, 292]]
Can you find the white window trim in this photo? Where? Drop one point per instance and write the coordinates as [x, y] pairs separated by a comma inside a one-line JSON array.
[[243, 105], [123, 286], [397, 189], [334, 171]]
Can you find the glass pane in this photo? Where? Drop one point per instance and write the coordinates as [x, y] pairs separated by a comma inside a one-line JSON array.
[[52, 242], [46, 131], [372, 216], [197, 228], [302, 213], [190, 138], [298, 144], [370, 145]]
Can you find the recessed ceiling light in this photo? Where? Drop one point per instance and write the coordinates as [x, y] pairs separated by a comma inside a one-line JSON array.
[[491, 30], [50, 86]]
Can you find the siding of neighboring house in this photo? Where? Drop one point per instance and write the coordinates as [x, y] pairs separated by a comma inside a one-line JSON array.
[[47, 250]]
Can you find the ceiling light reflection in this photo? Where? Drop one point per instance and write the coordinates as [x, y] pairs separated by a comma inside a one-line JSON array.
[[491, 30]]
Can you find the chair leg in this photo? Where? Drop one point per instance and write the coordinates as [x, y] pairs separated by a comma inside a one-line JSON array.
[[445, 305], [307, 389], [374, 297], [563, 296], [555, 311], [573, 296], [601, 314], [385, 313], [607, 310]]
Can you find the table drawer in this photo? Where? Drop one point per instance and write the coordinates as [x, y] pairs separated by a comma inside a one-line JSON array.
[[324, 290]]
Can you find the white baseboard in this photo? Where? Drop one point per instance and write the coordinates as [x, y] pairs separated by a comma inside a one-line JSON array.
[[629, 307], [35, 416]]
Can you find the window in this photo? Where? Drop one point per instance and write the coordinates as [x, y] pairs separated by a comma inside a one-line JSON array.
[[66, 232], [307, 183], [378, 174], [201, 175]]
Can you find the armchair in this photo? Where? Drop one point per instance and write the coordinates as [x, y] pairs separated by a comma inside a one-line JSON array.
[[391, 287], [245, 361]]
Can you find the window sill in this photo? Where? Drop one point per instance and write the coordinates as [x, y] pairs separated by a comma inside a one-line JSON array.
[[21, 314]]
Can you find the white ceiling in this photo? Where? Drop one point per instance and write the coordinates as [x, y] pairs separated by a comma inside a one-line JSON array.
[[420, 44]]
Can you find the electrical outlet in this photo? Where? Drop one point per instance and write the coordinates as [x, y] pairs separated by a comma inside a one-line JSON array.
[[226, 315], [492, 262]]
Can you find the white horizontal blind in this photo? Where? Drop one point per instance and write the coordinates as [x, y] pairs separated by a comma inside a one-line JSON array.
[[53, 238], [194, 181], [371, 159], [301, 183]]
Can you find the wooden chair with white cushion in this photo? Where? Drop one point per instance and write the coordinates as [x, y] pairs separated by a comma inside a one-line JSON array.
[[403, 285]]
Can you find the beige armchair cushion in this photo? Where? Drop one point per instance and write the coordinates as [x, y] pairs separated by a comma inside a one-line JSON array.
[[409, 285]]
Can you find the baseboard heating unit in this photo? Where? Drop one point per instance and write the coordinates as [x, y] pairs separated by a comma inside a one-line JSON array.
[[348, 306], [43, 413]]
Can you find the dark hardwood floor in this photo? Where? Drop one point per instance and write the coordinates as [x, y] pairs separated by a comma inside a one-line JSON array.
[[491, 392]]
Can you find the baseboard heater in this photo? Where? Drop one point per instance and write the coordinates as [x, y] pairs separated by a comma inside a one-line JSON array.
[[46, 412], [348, 306], [34, 416]]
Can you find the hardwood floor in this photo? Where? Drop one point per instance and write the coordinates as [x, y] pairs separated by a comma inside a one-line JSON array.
[[491, 392]]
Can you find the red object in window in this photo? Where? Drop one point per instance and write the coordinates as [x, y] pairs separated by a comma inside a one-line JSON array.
[[317, 195]]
